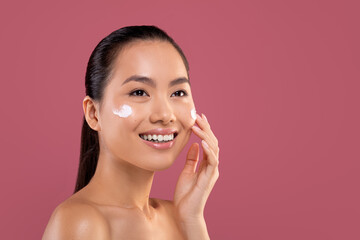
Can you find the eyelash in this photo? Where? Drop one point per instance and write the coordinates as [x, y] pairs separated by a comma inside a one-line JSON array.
[[131, 94]]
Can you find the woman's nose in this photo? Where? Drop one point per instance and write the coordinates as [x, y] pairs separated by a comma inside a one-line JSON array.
[[162, 111]]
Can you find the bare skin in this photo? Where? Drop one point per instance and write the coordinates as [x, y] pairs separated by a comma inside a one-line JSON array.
[[116, 204]]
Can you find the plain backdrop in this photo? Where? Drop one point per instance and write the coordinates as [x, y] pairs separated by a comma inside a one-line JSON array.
[[278, 81]]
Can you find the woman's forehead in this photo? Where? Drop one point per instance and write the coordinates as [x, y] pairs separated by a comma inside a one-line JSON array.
[[157, 60]]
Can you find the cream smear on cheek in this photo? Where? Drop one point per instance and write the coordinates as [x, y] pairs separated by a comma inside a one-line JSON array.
[[124, 111], [193, 113]]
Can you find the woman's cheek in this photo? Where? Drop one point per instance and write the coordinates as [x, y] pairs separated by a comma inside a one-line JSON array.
[[187, 115], [131, 114], [124, 111], [193, 114]]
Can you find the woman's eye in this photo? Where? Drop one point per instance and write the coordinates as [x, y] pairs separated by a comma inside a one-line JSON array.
[[140, 93], [137, 93], [181, 95]]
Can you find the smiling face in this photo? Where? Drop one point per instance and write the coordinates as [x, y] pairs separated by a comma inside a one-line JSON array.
[[148, 90]]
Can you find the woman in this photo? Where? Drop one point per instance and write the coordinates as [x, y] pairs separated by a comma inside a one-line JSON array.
[[138, 116]]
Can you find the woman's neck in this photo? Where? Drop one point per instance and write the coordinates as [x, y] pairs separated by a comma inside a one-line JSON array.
[[118, 183]]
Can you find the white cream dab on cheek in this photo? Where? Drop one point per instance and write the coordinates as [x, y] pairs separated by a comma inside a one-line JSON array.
[[193, 113], [124, 111]]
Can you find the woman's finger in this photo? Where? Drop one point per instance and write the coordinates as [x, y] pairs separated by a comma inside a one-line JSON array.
[[192, 159], [211, 132], [205, 126], [208, 171], [211, 157], [204, 136]]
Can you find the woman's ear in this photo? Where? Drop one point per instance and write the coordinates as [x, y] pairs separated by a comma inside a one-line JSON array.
[[91, 113]]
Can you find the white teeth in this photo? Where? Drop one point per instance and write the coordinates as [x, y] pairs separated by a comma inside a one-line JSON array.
[[159, 138]]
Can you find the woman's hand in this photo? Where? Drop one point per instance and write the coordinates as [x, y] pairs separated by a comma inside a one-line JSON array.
[[193, 188]]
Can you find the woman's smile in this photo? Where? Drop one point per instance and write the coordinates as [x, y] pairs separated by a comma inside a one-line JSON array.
[[159, 138]]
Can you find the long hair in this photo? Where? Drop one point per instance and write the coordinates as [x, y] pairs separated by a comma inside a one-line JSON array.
[[97, 76]]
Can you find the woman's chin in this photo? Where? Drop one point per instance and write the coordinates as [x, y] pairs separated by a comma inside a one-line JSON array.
[[161, 164]]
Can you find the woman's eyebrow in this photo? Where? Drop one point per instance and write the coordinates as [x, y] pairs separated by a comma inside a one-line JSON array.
[[152, 83]]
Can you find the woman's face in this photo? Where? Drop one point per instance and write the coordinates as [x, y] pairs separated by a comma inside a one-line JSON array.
[[132, 107]]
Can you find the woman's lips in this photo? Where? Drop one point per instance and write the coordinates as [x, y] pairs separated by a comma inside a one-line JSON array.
[[160, 145], [160, 131]]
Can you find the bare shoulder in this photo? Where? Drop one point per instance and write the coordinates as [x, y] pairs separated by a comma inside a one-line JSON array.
[[76, 219]]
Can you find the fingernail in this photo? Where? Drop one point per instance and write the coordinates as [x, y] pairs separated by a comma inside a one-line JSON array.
[[204, 116], [205, 144], [198, 116]]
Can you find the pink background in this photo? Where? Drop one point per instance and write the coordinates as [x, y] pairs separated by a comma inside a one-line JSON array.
[[278, 81]]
